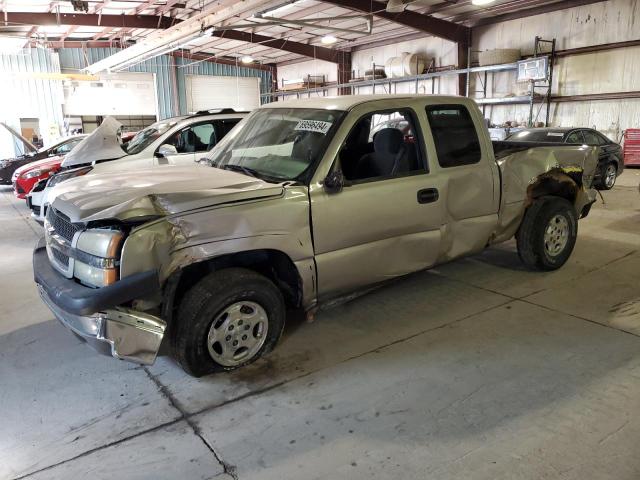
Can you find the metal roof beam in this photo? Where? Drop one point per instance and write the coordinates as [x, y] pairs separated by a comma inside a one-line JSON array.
[[91, 20], [424, 23], [311, 51]]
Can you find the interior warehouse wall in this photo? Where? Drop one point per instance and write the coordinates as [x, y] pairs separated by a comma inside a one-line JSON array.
[[77, 59], [601, 72], [186, 66], [442, 52], [26, 92], [311, 67]]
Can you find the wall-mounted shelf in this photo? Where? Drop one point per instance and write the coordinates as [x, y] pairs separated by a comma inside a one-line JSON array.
[[384, 82]]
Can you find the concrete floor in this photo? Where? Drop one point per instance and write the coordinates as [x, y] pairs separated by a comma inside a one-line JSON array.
[[477, 369]]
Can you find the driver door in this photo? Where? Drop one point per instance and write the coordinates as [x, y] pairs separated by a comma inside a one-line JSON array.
[[386, 221]]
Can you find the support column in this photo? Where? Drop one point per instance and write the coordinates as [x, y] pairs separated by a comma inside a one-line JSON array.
[[463, 62], [344, 72]]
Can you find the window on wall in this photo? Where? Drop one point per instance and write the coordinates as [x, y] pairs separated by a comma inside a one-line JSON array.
[[455, 136], [382, 145]]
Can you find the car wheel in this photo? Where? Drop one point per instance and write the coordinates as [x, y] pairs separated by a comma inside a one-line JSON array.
[[227, 320], [547, 234], [608, 177]]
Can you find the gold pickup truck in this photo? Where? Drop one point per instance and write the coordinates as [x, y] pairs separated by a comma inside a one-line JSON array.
[[300, 203]]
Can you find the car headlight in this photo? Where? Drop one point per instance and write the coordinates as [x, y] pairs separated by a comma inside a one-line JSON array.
[[66, 175], [35, 173], [97, 256]]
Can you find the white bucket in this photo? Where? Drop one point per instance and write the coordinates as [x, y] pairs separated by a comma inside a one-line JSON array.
[[413, 64], [394, 68]]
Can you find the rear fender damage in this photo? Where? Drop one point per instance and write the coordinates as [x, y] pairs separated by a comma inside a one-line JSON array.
[[566, 172]]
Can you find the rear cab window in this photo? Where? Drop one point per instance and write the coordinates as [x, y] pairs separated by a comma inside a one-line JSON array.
[[454, 134]]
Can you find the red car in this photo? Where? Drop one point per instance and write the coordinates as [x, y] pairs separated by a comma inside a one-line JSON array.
[[25, 177]]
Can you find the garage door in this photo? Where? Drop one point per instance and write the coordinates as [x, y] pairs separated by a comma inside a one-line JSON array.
[[206, 92], [116, 94]]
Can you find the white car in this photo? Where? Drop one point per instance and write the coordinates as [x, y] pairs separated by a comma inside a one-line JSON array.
[[173, 141]]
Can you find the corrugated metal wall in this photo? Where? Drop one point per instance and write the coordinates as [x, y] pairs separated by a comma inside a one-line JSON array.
[[26, 96], [162, 66]]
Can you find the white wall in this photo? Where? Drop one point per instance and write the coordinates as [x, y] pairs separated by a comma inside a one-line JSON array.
[[311, 67], [444, 53]]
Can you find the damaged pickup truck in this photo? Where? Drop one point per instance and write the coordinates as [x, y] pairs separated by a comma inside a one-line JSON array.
[[302, 202]]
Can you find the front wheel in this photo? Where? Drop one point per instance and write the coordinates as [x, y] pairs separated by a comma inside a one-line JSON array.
[[547, 234], [608, 177], [227, 320]]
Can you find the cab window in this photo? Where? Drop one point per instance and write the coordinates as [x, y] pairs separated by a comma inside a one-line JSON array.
[[382, 145], [454, 134]]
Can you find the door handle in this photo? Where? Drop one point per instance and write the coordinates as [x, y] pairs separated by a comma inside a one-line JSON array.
[[428, 195]]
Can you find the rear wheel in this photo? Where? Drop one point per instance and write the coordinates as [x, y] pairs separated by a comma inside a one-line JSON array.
[[608, 176], [547, 234], [227, 320]]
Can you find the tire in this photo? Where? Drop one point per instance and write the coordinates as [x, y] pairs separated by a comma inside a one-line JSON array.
[[232, 299], [550, 253], [608, 176]]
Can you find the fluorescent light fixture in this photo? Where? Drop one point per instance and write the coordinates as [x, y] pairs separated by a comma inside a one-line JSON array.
[[273, 11], [482, 2], [328, 39], [247, 59]]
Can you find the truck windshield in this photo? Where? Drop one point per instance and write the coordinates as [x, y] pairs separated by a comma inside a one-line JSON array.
[[277, 144], [145, 137]]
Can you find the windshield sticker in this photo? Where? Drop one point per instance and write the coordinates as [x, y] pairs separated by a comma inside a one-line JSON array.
[[313, 126], [555, 134]]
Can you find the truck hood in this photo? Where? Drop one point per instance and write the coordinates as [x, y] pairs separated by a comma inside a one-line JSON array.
[[103, 144], [153, 192]]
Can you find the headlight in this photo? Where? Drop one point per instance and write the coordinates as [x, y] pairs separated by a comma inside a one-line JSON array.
[[35, 173], [66, 175], [97, 262]]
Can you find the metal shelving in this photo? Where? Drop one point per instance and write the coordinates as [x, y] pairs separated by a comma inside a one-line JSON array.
[[483, 72], [388, 82]]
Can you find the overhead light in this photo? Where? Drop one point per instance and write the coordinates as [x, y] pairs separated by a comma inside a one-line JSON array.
[[247, 59], [395, 6], [482, 2], [278, 9], [328, 39]]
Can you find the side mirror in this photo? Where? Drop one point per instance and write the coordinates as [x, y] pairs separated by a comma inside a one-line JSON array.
[[202, 161], [334, 182], [166, 150]]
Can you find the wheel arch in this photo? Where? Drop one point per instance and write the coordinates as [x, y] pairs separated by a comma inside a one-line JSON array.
[[273, 264], [559, 182]]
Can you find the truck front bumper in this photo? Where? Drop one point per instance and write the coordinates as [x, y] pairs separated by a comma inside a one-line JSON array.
[[96, 314]]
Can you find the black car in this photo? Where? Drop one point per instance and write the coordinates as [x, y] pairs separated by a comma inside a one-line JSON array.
[[610, 164], [10, 165]]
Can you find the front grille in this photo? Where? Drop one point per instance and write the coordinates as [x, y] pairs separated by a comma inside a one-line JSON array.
[[60, 257], [61, 224]]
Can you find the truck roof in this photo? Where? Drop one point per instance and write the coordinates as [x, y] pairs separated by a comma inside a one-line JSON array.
[[346, 102]]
